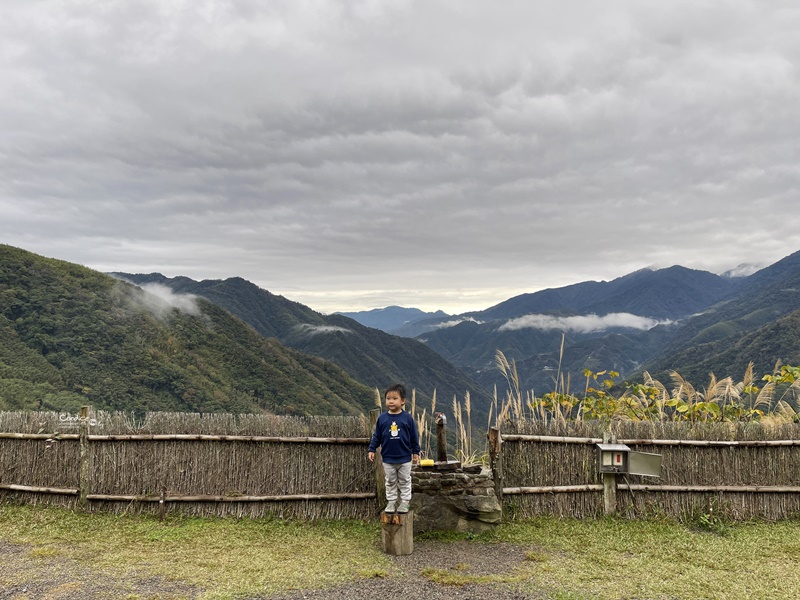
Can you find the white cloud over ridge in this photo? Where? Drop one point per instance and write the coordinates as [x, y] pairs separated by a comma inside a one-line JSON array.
[[582, 323], [310, 329], [454, 322]]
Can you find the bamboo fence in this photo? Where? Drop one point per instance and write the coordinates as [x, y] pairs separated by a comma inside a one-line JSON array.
[[739, 471], [211, 464], [316, 467]]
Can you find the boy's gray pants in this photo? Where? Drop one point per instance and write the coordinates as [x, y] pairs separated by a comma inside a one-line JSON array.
[[398, 478]]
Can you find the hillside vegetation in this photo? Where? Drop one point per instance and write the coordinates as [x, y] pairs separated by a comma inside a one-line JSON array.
[[71, 336]]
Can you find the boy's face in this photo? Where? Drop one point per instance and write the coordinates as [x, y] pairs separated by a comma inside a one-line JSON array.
[[394, 403]]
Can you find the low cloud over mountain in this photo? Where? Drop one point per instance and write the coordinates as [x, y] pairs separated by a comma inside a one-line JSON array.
[[582, 323]]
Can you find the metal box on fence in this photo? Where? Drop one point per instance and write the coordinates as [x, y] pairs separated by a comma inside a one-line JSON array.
[[613, 458], [619, 458]]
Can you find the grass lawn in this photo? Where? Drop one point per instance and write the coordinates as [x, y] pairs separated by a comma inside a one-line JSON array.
[[565, 559]]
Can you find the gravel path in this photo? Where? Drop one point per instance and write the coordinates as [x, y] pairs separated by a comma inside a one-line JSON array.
[[39, 575]]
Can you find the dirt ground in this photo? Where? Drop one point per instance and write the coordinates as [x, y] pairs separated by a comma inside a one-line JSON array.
[[55, 577]]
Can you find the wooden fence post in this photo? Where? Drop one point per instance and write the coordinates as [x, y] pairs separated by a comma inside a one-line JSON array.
[[609, 481], [496, 462], [441, 438], [84, 487], [380, 481]]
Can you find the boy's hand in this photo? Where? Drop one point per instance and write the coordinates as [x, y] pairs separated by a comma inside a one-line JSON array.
[[371, 456], [415, 458]]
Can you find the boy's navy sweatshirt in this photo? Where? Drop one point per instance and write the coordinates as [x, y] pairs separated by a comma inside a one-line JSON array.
[[397, 436]]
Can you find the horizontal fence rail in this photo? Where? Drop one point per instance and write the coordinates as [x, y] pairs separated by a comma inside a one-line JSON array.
[[39, 489], [183, 437], [165, 498], [651, 442]]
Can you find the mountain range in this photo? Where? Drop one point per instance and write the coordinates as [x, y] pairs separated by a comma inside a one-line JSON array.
[[70, 335], [690, 321]]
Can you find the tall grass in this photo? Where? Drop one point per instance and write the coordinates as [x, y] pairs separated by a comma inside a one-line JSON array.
[[776, 400]]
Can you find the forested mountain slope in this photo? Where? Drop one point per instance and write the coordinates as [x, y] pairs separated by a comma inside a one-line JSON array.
[[749, 324], [778, 340], [371, 356], [71, 336]]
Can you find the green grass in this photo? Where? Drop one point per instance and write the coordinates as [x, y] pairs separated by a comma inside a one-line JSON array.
[[610, 558], [228, 558], [561, 559]]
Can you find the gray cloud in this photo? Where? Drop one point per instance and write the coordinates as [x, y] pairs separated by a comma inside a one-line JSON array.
[[352, 154]]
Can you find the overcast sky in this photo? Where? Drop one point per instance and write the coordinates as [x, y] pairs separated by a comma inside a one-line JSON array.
[[439, 154]]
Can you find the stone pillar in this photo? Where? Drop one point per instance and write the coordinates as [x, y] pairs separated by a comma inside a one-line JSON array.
[[459, 500]]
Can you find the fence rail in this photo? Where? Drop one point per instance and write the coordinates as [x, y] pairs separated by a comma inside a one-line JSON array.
[[649, 442]]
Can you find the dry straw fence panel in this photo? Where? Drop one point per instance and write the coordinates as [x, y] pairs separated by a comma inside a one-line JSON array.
[[212, 464], [740, 471]]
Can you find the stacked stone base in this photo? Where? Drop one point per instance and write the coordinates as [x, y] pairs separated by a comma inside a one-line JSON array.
[[461, 500]]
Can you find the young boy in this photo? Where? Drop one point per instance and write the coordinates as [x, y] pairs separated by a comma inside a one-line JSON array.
[[396, 434]]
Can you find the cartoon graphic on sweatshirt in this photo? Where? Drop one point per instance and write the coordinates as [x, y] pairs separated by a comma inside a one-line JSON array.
[[395, 431]]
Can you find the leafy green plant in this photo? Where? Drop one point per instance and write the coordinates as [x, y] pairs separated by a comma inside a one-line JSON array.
[[710, 519]]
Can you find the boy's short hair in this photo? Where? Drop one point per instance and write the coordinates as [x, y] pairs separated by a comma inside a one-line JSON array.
[[397, 387]]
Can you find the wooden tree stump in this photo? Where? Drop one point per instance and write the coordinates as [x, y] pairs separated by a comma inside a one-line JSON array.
[[397, 533]]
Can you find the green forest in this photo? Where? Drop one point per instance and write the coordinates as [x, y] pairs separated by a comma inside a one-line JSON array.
[[71, 336]]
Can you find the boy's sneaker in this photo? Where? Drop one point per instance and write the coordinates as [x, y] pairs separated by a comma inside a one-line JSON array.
[[390, 507], [403, 508]]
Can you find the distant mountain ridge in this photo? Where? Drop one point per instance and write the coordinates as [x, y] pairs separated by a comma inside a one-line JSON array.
[[670, 293], [392, 318]]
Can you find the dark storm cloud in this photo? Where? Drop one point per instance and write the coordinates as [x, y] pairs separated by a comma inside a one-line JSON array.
[[361, 153]]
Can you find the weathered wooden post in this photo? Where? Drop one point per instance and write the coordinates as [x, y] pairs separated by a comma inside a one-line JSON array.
[[397, 533], [496, 461], [609, 481], [162, 504], [441, 438], [380, 481], [85, 458], [442, 464]]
